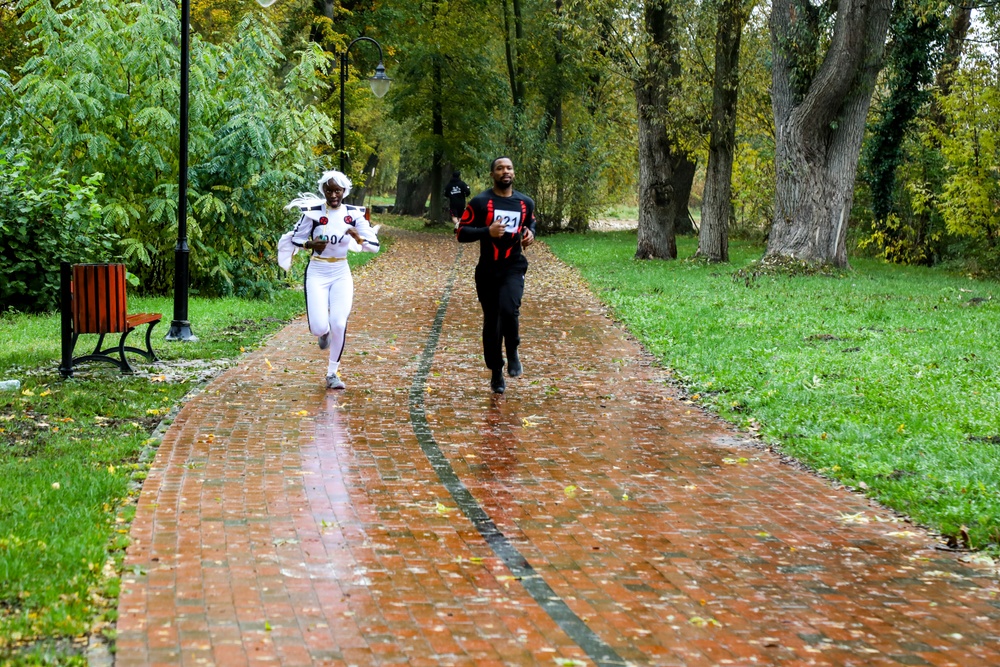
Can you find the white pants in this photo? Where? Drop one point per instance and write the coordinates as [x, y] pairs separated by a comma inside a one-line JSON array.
[[329, 298]]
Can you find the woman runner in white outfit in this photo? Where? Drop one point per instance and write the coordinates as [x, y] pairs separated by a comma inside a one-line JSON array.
[[329, 228]]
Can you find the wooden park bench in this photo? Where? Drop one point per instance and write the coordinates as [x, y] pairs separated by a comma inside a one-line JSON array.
[[92, 301]]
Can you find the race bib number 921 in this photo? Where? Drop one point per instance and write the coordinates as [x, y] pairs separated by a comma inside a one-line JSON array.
[[511, 220]]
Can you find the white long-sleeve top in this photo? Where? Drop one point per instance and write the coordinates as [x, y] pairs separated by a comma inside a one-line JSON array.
[[330, 225]]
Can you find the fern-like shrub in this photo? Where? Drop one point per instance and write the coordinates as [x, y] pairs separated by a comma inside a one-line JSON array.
[[102, 96], [44, 220]]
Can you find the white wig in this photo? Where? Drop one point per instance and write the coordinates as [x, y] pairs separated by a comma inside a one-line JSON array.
[[337, 177], [309, 199]]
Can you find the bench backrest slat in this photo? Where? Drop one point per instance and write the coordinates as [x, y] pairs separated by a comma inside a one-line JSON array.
[[99, 298]]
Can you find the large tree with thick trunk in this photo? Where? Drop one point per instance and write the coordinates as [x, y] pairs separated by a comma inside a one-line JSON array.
[[713, 235], [659, 158], [821, 89]]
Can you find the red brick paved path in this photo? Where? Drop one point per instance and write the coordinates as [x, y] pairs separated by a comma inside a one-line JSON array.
[[282, 524]]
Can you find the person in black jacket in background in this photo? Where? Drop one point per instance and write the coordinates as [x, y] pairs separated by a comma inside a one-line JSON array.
[[456, 190], [503, 221]]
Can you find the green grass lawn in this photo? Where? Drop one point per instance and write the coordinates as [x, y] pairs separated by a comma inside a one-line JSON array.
[[631, 212], [886, 378], [380, 200], [412, 223], [70, 461]]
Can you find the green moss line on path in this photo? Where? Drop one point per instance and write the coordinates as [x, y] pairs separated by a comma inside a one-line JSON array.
[[886, 379], [69, 459]]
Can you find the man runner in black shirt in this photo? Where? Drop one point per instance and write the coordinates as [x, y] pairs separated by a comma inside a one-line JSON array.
[[503, 221], [456, 190]]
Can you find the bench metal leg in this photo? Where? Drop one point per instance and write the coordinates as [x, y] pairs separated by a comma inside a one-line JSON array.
[[97, 348], [102, 355], [122, 361], [148, 352], [126, 368], [68, 340]]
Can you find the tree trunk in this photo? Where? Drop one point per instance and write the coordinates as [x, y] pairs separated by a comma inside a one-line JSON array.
[[683, 181], [961, 19], [510, 50], [819, 127], [518, 41], [556, 110], [357, 197], [657, 204], [657, 200], [437, 115], [713, 235], [578, 216], [907, 78], [411, 194]]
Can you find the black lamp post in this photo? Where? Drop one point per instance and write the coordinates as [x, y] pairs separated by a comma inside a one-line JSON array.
[[380, 86], [180, 327]]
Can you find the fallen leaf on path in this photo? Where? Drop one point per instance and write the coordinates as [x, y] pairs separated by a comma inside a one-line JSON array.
[[978, 559]]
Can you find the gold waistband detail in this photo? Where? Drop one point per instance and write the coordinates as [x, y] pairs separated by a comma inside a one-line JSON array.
[[316, 258]]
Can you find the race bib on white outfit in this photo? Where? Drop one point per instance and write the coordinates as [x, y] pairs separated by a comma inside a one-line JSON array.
[[511, 220]]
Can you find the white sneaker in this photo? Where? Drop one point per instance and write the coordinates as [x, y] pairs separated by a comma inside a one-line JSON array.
[[334, 382], [324, 341]]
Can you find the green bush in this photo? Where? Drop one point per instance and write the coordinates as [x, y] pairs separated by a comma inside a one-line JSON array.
[[45, 220]]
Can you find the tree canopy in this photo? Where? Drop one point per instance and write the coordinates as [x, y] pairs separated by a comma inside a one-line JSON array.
[[596, 102]]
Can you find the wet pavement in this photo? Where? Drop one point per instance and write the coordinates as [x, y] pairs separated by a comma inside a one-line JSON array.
[[590, 516]]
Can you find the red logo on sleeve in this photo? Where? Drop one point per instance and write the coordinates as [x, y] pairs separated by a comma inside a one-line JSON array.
[[467, 216]]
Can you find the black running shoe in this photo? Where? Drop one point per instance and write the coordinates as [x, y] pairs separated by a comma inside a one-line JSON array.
[[514, 368], [497, 384]]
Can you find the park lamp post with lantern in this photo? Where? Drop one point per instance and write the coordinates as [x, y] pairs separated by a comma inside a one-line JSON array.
[[180, 327], [379, 83]]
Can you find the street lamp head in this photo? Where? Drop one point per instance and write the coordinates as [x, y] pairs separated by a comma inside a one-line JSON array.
[[266, 3], [380, 82]]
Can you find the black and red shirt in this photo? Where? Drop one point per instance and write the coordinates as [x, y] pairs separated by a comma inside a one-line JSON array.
[[517, 213]]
